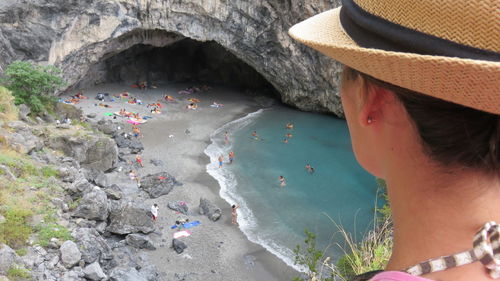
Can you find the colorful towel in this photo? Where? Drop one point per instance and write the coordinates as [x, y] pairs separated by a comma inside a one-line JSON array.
[[180, 234]]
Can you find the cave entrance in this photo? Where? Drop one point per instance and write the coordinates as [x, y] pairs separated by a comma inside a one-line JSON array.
[[185, 61]]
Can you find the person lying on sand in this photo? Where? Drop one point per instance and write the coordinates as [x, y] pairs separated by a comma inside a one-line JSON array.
[[169, 98], [192, 106], [216, 105], [104, 105]]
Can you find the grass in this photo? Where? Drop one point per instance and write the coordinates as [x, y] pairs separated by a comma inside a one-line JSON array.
[[8, 111], [16, 273], [15, 230], [52, 230]]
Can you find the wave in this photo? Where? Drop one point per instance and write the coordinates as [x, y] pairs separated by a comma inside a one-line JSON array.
[[228, 182]]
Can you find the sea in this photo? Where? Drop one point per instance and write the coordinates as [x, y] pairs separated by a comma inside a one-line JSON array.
[[339, 193]]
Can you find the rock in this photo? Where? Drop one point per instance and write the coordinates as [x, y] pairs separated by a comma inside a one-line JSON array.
[[39, 120], [132, 143], [140, 241], [209, 209], [91, 115], [128, 216], [8, 257], [93, 247], [97, 177], [108, 127], [94, 271], [64, 110], [80, 186], [24, 111], [23, 141], [91, 151], [178, 246], [158, 184], [93, 206], [156, 162], [7, 173], [150, 272], [126, 274], [47, 117], [70, 255], [114, 192], [179, 206]]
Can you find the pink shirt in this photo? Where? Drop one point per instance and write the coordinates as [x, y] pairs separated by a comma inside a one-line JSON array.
[[397, 276]]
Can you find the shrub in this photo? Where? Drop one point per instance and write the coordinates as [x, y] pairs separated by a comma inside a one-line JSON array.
[[33, 85], [49, 171], [52, 230], [15, 230], [8, 111]]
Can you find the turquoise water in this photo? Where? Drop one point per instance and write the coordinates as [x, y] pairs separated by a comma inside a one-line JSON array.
[[275, 217]]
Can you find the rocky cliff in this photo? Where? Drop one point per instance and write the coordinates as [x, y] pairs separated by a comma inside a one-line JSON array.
[[76, 35]]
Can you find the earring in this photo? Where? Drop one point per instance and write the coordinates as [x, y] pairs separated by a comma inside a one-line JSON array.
[[370, 120]]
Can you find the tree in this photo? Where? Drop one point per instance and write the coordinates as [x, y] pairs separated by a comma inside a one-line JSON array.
[[33, 85]]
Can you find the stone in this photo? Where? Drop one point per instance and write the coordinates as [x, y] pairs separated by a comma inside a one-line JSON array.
[[179, 206], [128, 217], [114, 192], [150, 272], [127, 141], [80, 186], [64, 110], [209, 209], [93, 206], [24, 111], [92, 246], [94, 271], [23, 141], [91, 115], [108, 127], [126, 274], [156, 162], [158, 184], [139, 241], [8, 257], [46, 117], [178, 246], [70, 255]]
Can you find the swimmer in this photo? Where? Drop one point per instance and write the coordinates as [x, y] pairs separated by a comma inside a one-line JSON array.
[[255, 136], [221, 159], [282, 181], [309, 169], [285, 140], [226, 138], [289, 135], [231, 157], [289, 126]]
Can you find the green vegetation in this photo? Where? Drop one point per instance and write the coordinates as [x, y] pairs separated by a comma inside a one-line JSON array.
[[8, 111], [371, 253], [33, 85], [15, 230], [52, 230], [18, 273]]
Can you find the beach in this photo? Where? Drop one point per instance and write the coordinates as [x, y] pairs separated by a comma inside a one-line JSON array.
[[178, 137]]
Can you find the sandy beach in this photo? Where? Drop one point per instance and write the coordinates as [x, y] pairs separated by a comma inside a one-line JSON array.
[[215, 250]]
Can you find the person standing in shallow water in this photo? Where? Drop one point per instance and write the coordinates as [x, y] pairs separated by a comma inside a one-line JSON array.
[[226, 138], [282, 181], [231, 157], [424, 115], [234, 214], [221, 159]]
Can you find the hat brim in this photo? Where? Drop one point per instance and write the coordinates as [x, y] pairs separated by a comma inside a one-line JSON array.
[[472, 83]]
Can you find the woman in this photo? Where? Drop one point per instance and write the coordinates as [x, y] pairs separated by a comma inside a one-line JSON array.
[[421, 95]]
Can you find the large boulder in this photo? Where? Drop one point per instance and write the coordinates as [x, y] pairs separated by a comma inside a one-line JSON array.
[[22, 139], [127, 141], [108, 127], [8, 257], [79, 186], [93, 206], [140, 241], [128, 217], [114, 192], [70, 254], [158, 184], [91, 151], [209, 209], [178, 246], [179, 206], [92, 246], [65, 110], [126, 274], [94, 271]]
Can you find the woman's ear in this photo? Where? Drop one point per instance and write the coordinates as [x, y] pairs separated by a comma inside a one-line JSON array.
[[374, 107]]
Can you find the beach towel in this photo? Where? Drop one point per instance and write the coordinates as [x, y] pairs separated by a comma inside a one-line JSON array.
[[191, 224], [147, 117], [108, 113], [180, 234]]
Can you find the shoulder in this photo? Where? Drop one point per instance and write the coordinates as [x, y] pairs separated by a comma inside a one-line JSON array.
[[396, 276]]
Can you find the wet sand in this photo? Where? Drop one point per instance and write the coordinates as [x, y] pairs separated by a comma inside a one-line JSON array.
[[215, 250]]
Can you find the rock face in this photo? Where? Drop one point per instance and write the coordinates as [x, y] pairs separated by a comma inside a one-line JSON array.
[[209, 209], [140, 241], [91, 151], [76, 36], [179, 206], [93, 246], [7, 258], [158, 184], [93, 206], [128, 217]]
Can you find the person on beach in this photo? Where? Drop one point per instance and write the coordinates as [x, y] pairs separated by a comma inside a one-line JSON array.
[[234, 214], [154, 211], [133, 176], [221, 159], [138, 159], [421, 96], [231, 157], [282, 181], [226, 138], [136, 132]]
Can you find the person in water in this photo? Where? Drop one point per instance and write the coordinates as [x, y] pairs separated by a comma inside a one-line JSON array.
[[226, 138], [255, 136], [289, 126], [282, 181], [309, 169], [421, 95], [231, 157], [234, 214], [285, 140], [221, 160]]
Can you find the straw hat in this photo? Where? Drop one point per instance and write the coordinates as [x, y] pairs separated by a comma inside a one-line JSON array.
[[448, 49]]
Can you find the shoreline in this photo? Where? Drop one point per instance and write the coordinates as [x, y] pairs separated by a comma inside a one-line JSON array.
[[216, 250]]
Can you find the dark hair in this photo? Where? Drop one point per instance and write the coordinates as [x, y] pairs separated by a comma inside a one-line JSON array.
[[451, 134], [234, 206]]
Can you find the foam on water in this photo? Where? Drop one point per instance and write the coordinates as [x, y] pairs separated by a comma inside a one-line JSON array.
[[275, 217]]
